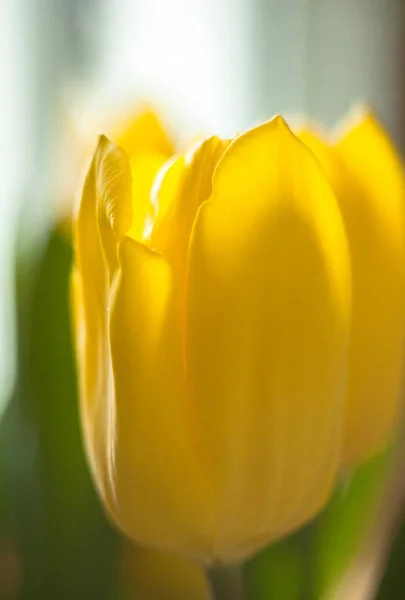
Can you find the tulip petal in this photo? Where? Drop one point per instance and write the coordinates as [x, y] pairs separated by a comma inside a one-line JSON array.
[[113, 197], [371, 192], [268, 300], [133, 401], [90, 290], [185, 185], [162, 498]]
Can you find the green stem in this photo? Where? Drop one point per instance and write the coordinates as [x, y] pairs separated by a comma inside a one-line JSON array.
[[226, 582]]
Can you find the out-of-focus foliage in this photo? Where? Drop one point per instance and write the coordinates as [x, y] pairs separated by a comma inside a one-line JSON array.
[[64, 547], [309, 564], [280, 571], [393, 581], [342, 526]]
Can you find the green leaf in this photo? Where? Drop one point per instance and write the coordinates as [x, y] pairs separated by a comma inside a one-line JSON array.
[[67, 548], [341, 527], [310, 563], [392, 585], [280, 571]]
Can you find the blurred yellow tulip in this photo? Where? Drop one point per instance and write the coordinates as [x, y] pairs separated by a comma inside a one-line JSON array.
[[369, 182], [154, 575], [212, 321]]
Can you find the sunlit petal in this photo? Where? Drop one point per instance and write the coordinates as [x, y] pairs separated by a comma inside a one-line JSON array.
[[267, 324]]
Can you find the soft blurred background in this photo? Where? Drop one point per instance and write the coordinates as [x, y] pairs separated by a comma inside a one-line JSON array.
[[210, 65]]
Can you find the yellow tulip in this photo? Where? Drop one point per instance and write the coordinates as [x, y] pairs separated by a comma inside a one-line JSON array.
[[155, 575], [368, 179], [212, 342]]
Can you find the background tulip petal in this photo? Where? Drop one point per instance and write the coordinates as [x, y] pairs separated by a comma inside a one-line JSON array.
[[143, 134], [368, 180], [374, 213], [155, 575], [268, 303], [147, 146]]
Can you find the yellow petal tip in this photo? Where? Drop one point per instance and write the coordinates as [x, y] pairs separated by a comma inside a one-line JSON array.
[[360, 115]]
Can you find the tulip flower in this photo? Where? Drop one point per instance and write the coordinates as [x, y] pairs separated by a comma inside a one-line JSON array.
[[154, 575], [212, 321], [368, 179]]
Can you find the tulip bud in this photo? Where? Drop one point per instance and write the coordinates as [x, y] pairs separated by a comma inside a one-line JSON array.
[[368, 179], [212, 342]]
